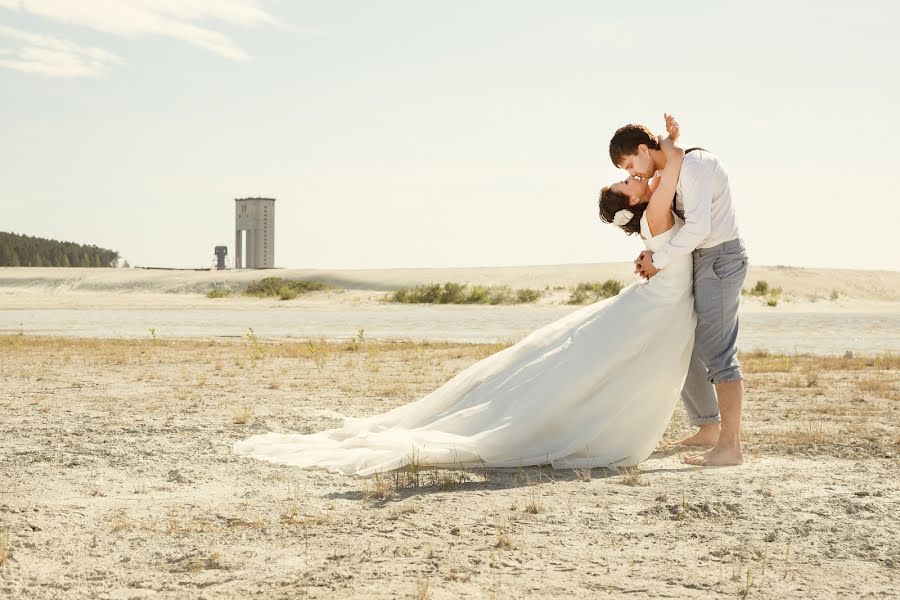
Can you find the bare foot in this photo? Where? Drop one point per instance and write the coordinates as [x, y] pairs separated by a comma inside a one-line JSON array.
[[717, 456], [707, 435]]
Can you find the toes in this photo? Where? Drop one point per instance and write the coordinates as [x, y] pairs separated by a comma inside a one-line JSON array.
[[692, 459]]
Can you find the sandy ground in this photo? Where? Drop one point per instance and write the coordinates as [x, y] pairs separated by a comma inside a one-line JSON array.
[[117, 481], [804, 290]]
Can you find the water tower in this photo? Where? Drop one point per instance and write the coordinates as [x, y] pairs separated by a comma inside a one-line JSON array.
[[254, 244]]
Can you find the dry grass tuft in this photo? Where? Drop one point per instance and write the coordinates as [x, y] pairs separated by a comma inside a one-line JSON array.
[[533, 506], [241, 416], [812, 376], [876, 385], [122, 522], [631, 476], [296, 517], [503, 541], [381, 488], [402, 510], [422, 589], [5, 548], [806, 434]]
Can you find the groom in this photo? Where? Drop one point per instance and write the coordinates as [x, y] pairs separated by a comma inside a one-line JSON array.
[[714, 389]]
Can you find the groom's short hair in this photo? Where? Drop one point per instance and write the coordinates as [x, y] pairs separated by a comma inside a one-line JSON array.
[[626, 140]]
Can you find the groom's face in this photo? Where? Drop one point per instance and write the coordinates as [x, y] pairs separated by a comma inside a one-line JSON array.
[[640, 164]]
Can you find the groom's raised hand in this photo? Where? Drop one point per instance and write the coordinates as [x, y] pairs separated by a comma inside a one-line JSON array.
[[643, 266]]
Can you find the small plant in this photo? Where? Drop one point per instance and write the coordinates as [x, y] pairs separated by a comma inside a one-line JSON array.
[[356, 342], [772, 302], [835, 295], [153, 334], [258, 352], [218, 293], [318, 351]]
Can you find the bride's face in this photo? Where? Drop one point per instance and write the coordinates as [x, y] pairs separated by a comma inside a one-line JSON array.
[[637, 190]]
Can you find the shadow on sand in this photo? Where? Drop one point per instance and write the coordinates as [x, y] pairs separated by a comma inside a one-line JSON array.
[[407, 482]]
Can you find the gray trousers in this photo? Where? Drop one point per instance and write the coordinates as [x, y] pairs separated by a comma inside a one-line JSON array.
[[719, 274]]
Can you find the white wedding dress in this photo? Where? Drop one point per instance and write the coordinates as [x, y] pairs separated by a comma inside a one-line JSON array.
[[594, 388]]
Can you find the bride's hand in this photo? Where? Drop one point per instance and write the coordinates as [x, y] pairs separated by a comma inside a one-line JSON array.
[[669, 148], [672, 127]]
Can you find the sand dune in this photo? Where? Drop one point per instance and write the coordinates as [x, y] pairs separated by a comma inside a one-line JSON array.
[[801, 283]]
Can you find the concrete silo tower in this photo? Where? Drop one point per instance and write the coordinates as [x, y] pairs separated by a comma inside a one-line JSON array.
[[256, 217]]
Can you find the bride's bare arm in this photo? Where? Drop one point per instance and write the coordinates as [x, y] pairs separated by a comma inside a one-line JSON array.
[[659, 209]]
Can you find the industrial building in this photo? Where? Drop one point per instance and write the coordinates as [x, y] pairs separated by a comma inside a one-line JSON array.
[[254, 243]]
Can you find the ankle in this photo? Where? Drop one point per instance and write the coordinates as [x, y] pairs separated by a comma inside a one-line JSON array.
[[730, 442]]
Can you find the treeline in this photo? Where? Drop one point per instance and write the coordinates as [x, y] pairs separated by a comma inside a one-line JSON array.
[[26, 251]]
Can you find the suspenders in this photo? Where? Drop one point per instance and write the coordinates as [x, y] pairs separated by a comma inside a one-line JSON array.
[[680, 213]]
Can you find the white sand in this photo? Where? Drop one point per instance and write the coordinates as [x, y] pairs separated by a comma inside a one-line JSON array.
[[117, 481]]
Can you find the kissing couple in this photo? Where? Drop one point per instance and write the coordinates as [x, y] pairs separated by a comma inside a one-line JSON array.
[[597, 387]]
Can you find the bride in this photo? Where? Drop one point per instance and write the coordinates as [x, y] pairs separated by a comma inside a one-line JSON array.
[[594, 388]]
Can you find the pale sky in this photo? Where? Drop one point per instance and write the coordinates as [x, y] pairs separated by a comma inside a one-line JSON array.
[[431, 134]]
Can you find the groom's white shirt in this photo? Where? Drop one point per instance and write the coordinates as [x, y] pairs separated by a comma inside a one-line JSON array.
[[703, 193]]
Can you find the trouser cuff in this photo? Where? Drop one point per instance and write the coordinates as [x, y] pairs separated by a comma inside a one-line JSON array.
[[698, 421], [727, 376]]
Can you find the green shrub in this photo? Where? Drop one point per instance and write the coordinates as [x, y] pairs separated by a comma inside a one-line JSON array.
[[501, 295], [478, 295], [218, 293], [772, 302], [455, 293], [287, 293], [587, 292], [762, 288], [282, 288], [527, 296]]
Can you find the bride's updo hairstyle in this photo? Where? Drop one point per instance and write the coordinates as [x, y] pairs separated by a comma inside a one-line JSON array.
[[612, 202]]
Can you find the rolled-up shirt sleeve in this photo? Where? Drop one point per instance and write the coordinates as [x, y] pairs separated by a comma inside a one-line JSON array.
[[696, 194]]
